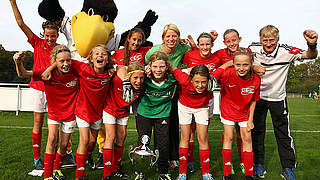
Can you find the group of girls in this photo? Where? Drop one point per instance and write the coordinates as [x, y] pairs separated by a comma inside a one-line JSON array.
[[170, 97]]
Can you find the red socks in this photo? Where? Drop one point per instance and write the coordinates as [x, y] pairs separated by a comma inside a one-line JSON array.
[[227, 161], [183, 159], [59, 160], [36, 144], [205, 160], [48, 164], [248, 163], [191, 152], [116, 159], [81, 165], [107, 161]]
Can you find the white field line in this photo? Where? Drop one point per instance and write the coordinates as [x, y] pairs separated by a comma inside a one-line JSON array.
[[134, 130]]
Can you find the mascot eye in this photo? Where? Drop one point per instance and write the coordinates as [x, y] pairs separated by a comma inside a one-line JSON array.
[[90, 12], [105, 18]]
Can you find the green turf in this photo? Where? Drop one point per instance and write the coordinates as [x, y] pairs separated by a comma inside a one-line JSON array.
[[16, 150]]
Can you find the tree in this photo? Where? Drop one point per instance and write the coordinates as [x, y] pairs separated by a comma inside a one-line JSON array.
[[7, 67]]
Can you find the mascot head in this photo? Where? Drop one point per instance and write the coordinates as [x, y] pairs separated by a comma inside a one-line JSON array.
[[92, 26]]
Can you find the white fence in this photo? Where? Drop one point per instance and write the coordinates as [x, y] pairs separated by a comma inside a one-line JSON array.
[[17, 97]]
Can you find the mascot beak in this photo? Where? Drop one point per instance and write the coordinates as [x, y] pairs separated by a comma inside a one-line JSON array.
[[89, 31]]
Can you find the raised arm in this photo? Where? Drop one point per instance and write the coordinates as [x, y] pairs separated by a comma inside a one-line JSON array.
[[21, 71], [311, 38], [27, 31]]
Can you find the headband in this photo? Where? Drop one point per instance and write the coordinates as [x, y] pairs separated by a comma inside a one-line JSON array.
[[245, 52], [131, 72], [207, 36]]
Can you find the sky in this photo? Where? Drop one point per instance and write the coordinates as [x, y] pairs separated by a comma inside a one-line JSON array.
[[192, 17]]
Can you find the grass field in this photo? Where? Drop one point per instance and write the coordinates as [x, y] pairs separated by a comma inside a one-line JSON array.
[[16, 150]]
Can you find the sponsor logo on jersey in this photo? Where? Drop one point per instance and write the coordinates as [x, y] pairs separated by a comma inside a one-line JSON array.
[[136, 57], [228, 163], [35, 145], [248, 90], [119, 89], [183, 158], [295, 50], [72, 83], [232, 85], [211, 66]]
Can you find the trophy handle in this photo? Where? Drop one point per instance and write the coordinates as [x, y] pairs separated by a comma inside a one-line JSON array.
[[131, 151], [155, 157]]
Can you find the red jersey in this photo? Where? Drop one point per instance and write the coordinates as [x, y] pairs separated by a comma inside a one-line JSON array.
[[223, 55], [93, 91], [115, 105], [135, 56], [188, 95], [61, 94], [193, 58], [236, 94], [41, 59]]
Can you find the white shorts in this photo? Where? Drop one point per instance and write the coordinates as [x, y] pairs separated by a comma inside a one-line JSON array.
[[211, 107], [201, 115], [84, 124], [232, 123], [66, 127], [39, 101], [109, 119]]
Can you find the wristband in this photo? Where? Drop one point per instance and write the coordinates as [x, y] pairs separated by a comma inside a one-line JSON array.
[[313, 46]]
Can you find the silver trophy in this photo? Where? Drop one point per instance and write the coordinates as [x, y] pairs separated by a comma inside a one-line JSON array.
[[144, 154]]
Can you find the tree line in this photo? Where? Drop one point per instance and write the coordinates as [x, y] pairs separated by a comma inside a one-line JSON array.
[[302, 78]]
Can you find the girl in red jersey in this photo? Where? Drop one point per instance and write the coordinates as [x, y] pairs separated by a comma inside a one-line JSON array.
[[231, 40], [193, 102], [240, 89], [61, 91], [94, 85], [42, 50], [116, 115], [132, 51], [203, 56]]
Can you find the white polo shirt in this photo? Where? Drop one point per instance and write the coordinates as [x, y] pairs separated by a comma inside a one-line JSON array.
[[273, 82]]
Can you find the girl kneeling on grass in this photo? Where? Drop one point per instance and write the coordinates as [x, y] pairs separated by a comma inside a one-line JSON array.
[[94, 86], [116, 115], [193, 101], [155, 106], [61, 94], [240, 89]]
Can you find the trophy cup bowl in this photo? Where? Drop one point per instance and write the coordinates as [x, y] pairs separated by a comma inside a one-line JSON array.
[[141, 156]]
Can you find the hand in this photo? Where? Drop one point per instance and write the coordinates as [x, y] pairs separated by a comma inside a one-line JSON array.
[[227, 64], [150, 18], [46, 75], [19, 56], [184, 41], [250, 126], [147, 71], [213, 34], [310, 36], [259, 70], [193, 45], [127, 94]]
